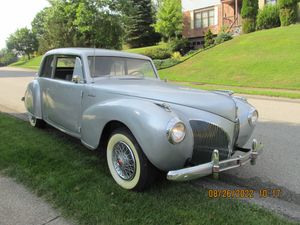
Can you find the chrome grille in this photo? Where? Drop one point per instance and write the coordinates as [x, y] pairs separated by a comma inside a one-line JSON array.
[[236, 131], [208, 137]]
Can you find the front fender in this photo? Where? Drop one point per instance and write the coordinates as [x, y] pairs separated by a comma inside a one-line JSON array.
[[147, 122], [246, 129], [32, 99]]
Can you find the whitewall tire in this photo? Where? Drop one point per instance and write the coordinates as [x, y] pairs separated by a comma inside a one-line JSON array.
[[34, 122], [126, 161]]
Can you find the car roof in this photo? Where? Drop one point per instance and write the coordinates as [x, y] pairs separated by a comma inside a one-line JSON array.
[[94, 52]]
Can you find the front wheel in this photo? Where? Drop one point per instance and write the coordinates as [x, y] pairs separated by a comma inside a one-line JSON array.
[[34, 122], [127, 163]]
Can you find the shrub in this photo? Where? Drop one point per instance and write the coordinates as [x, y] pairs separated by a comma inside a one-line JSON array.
[[192, 52], [176, 55], [222, 37], [288, 12], [268, 17], [249, 13], [180, 45], [288, 16], [249, 9], [208, 39], [158, 53], [248, 25], [165, 63], [287, 3]]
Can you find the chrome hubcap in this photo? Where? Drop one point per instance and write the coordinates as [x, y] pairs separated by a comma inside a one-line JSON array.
[[123, 160]]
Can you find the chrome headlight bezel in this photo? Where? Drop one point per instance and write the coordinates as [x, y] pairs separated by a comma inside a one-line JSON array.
[[174, 124], [252, 117]]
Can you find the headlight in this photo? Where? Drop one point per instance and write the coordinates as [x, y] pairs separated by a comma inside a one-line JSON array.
[[253, 117], [175, 131]]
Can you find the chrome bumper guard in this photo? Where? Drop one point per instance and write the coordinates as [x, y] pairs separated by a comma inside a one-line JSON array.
[[215, 166]]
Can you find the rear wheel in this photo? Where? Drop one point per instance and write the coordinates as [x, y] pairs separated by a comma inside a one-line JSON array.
[[127, 163], [34, 122]]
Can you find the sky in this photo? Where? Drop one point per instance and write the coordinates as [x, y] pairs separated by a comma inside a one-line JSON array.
[[16, 14]]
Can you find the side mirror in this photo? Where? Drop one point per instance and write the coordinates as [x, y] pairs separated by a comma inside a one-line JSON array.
[[76, 79]]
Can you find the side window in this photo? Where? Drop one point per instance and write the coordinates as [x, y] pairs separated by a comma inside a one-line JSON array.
[[64, 67], [67, 67], [47, 67]]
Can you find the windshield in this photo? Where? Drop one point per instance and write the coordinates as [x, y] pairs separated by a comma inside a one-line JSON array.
[[101, 66]]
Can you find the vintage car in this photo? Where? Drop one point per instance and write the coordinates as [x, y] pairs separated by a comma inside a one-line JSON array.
[[115, 102]]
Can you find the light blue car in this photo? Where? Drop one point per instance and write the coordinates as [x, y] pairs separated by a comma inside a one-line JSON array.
[[115, 102]]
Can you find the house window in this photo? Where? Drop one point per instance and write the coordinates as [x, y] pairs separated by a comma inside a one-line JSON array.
[[270, 2], [204, 18]]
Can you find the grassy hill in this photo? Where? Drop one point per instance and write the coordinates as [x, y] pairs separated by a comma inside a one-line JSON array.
[[142, 50], [267, 59], [33, 63]]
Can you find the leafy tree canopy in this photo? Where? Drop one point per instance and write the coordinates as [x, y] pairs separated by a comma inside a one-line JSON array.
[[169, 19], [74, 23], [22, 42]]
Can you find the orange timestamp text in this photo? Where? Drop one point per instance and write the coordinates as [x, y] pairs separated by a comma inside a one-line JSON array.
[[243, 193]]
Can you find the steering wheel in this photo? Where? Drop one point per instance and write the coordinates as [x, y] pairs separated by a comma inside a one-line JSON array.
[[137, 72]]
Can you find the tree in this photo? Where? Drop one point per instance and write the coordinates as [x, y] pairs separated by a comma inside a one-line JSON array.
[[79, 23], [38, 23], [170, 19], [23, 42], [7, 57], [249, 12], [139, 31], [97, 26]]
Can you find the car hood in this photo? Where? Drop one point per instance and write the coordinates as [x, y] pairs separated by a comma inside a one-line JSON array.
[[216, 103]]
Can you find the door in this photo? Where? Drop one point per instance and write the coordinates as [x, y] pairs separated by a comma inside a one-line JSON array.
[[64, 94]]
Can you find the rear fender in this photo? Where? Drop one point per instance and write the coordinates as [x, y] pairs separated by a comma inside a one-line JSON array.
[[32, 99]]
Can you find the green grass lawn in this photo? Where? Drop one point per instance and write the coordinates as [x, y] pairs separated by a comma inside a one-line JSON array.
[[33, 63], [268, 59], [77, 181], [142, 50], [294, 94]]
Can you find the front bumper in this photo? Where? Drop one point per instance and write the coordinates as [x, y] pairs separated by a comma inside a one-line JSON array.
[[215, 166]]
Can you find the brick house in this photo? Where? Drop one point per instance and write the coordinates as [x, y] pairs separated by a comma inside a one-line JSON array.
[[201, 15]]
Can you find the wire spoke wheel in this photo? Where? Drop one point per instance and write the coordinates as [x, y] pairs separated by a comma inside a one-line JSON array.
[[123, 160]]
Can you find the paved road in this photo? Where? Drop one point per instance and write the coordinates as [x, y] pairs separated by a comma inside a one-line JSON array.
[[16, 72], [278, 129]]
